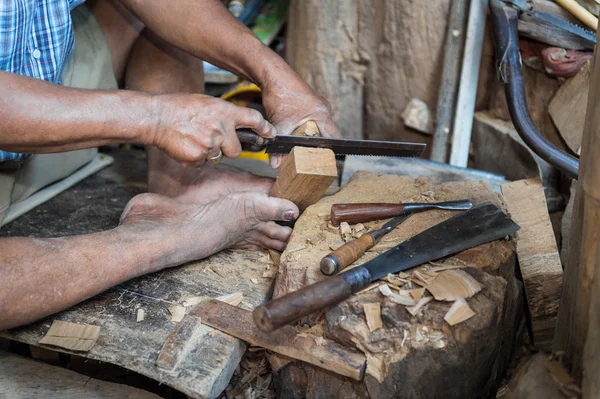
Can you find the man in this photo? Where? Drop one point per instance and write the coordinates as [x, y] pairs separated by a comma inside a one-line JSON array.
[[154, 48]]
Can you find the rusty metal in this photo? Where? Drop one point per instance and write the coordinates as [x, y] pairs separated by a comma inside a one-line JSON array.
[[505, 18]]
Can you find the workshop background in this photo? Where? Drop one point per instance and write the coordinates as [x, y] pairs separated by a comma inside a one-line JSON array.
[[396, 70]]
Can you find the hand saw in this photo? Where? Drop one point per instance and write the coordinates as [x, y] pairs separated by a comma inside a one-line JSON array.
[[284, 144]]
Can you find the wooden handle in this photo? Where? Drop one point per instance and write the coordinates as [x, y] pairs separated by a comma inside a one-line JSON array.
[[312, 298], [346, 255], [360, 213]]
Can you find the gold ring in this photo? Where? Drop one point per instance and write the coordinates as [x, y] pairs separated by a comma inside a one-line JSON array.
[[216, 159]]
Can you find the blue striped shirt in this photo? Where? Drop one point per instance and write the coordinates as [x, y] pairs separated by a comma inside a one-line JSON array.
[[36, 40]]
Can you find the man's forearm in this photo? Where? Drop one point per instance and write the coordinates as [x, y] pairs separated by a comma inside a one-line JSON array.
[[39, 277], [205, 29], [39, 117]]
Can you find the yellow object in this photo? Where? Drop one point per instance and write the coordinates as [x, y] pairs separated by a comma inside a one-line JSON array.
[[244, 87], [580, 12]]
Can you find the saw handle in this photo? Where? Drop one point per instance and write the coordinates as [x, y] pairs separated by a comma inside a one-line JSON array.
[[363, 212], [346, 255], [312, 298], [248, 136]]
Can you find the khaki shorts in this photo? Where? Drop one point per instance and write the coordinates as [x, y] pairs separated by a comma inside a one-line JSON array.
[[90, 67]]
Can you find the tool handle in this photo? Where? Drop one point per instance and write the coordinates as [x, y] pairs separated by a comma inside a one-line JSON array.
[[363, 212], [346, 255], [312, 298], [249, 137]]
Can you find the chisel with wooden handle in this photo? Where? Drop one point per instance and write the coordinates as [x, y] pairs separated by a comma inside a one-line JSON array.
[[349, 253], [367, 212], [477, 226]]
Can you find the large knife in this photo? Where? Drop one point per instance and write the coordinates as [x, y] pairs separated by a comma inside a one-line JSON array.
[[284, 144], [477, 226]]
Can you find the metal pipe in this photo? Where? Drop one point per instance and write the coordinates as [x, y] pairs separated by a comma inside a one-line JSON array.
[[506, 37]]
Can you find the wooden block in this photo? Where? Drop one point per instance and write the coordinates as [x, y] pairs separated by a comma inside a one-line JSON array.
[[76, 337], [304, 176], [538, 256], [285, 341], [568, 107]]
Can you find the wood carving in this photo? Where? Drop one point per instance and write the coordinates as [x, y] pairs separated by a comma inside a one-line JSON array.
[[413, 336]]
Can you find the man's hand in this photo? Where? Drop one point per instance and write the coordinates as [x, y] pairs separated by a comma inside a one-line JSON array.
[[193, 127]]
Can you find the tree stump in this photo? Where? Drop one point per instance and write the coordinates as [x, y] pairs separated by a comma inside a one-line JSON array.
[[409, 356]]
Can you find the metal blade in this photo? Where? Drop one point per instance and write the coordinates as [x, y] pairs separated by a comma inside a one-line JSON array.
[[284, 144], [392, 224], [477, 226]]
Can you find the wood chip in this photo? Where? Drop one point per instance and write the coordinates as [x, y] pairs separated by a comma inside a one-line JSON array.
[[346, 231], [376, 367], [394, 280], [296, 249], [401, 300], [76, 337], [417, 293], [414, 310], [193, 300], [233, 299], [254, 281], [423, 277], [373, 316], [141, 314], [453, 284], [177, 313], [459, 312], [369, 288]]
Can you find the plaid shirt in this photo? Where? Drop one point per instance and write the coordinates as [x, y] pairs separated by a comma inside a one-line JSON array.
[[36, 40]]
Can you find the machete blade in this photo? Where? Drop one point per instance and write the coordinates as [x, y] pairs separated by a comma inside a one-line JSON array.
[[477, 226]]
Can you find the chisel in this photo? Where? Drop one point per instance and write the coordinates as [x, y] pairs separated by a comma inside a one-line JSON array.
[[348, 253], [477, 226], [367, 212]]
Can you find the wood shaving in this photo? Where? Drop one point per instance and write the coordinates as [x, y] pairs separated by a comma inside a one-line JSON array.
[[416, 293], [414, 310], [299, 248], [423, 277], [73, 336], [233, 299], [401, 300], [346, 231], [404, 338], [193, 301], [177, 313], [559, 373], [453, 284], [332, 227], [217, 272], [269, 273], [254, 281], [141, 314], [373, 316], [459, 312], [394, 280], [369, 288]]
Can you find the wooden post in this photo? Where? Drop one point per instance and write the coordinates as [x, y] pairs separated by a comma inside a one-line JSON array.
[[304, 176], [578, 330]]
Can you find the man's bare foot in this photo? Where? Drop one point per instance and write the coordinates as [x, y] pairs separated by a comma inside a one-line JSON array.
[[205, 184], [195, 231]]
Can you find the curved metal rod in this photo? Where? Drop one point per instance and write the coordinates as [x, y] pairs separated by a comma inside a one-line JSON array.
[[508, 58]]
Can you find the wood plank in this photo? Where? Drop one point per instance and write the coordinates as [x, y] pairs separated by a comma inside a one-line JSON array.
[[285, 341], [204, 371], [73, 336], [578, 330], [304, 175], [25, 378], [538, 256], [569, 105]]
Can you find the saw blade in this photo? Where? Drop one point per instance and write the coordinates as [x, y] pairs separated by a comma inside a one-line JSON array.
[[284, 144]]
